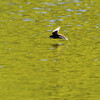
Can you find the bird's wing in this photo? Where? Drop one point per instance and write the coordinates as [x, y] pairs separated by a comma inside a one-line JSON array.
[[63, 37], [55, 32]]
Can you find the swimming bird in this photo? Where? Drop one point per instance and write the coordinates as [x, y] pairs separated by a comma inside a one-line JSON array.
[[57, 35]]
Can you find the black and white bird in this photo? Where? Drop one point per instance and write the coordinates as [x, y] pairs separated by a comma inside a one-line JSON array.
[[57, 35]]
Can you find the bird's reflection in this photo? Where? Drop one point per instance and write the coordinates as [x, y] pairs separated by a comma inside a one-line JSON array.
[[57, 45]]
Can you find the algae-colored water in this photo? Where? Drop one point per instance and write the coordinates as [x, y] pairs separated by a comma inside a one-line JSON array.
[[35, 67]]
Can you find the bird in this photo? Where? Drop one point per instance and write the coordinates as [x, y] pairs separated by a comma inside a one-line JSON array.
[[56, 34]]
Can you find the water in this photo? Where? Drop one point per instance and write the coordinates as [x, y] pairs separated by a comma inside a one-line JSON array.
[[35, 67]]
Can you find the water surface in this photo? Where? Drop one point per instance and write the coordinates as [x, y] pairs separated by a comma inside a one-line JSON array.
[[35, 67]]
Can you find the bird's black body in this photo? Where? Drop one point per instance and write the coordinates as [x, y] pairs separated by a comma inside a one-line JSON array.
[[57, 35]]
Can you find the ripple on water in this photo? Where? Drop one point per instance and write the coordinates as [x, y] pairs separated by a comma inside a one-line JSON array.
[[48, 9], [96, 59], [54, 60], [43, 60], [77, 1], [88, 7], [60, 43], [9, 49], [60, 19], [49, 3], [12, 3], [61, 2], [61, 16], [98, 15], [27, 19], [49, 30], [86, 22], [68, 15], [79, 25], [5, 41], [1, 66], [65, 30], [20, 6], [48, 25], [28, 2], [69, 10], [82, 10], [78, 13], [21, 14], [51, 48], [52, 23], [69, 25], [37, 8], [96, 26], [41, 12], [12, 13], [77, 4], [34, 34], [95, 37], [30, 53], [14, 17], [21, 10], [53, 20]]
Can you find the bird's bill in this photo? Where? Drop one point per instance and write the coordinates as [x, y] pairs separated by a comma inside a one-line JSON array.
[[57, 29], [66, 38]]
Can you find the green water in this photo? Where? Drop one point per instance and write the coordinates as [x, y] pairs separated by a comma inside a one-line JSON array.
[[35, 67]]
